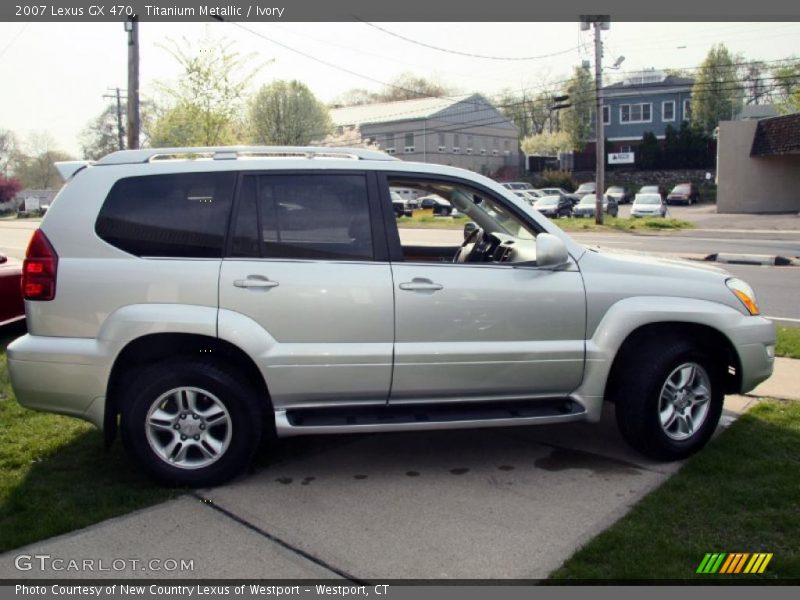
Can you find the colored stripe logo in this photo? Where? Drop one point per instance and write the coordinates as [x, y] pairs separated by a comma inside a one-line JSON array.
[[734, 563]]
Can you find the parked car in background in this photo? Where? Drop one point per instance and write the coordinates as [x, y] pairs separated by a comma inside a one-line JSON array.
[[517, 185], [530, 196], [440, 206], [683, 193], [585, 188], [400, 205], [651, 189], [554, 207], [648, 205], [585, 208], [620, 194], [555, 191], [12, 307]]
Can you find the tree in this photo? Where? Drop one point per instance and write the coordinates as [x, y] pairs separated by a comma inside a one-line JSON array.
[[786, 87], [531, 113], [648, 154], [408, 86], [354, 97], [9, 189], [8, 147], [576, 121], [717, 93], [101, 134], [286, 113], [546, 144], [205, 106], [36, 167]]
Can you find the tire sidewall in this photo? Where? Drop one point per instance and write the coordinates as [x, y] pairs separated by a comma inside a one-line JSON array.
[[223, 383], [665, 445]]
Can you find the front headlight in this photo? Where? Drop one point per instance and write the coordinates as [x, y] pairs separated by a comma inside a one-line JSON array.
[[744, 293]]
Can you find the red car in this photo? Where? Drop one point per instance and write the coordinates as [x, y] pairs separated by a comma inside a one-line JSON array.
[[685, 193], [12, 308]]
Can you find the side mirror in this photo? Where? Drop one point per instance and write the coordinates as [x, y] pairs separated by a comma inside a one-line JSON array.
[[550, 251], [3, 259], [469, 228]]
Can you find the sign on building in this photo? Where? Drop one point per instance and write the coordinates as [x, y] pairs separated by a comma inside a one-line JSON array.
[[621, 158]]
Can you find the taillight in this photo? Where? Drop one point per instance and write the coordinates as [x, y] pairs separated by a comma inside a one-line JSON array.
[[39, 269]]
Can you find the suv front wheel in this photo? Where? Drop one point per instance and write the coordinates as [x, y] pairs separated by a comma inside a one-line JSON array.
[[190, 422], [670, 406]]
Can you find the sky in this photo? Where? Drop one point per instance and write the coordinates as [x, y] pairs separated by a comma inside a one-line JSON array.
[[54, 75]]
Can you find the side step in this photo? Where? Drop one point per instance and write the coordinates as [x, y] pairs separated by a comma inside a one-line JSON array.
[[417, 417]]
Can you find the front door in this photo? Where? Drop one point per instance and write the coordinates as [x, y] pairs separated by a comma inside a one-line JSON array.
[[484, 330]]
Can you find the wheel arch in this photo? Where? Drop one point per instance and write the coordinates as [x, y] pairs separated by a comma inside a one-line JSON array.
[[706, 337], [152, 348]]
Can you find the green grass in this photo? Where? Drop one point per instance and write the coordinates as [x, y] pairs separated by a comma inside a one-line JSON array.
[[741, 494], [426, 221], [55, 474], [788, 342], [620, 224]]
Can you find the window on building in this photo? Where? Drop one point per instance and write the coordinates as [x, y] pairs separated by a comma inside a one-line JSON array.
[[456, 142], [442, 143], [390, 147], [635, 113], [687, 109], [668, 110], [606, 115], [409, 143]]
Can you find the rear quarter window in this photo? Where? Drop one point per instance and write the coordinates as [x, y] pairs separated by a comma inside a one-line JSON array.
[[178, 215]]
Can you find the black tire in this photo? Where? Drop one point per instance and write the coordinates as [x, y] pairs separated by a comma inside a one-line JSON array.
[[219, 381], [638, 392]]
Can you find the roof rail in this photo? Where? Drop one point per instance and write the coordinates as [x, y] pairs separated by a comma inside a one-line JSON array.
[[124, 157]]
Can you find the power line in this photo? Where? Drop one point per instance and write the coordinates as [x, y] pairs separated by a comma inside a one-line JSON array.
[[14, 39], [468, 54]]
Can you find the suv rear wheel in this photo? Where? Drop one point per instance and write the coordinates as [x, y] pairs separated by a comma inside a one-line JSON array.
[[670, 407], [190, 423]]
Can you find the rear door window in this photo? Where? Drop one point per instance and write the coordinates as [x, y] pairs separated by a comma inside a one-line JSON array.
[[312, 217], [178, 215]]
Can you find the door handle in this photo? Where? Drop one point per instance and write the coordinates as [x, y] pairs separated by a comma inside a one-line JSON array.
[[257, 282], [419, 284]]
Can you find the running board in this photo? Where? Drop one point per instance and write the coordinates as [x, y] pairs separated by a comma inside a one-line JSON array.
[[418, 417]]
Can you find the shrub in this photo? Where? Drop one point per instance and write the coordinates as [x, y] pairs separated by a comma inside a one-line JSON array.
[[553, 178]]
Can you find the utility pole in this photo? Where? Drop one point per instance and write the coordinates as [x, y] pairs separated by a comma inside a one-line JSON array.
[[132, 27], [120, 130], [600, 22]]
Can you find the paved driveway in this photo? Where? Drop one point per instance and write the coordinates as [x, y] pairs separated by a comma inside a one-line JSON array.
[[491, 503]]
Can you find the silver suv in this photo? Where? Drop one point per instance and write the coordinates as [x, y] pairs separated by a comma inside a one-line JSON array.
[[201, 299]]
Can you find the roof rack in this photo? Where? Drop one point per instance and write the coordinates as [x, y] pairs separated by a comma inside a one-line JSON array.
[[124, 157]]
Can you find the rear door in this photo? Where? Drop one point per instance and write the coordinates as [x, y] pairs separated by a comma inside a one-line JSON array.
[[307, 263]]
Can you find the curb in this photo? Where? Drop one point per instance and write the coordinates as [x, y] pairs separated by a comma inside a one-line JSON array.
[[754, 259]]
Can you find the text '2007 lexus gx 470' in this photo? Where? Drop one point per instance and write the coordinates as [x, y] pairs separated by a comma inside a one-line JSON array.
[[200, 299]]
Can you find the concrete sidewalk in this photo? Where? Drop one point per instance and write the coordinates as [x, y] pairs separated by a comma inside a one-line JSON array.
[[490, 503]]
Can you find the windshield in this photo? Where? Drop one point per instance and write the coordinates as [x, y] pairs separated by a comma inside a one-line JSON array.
[[647, 199], [547, 201], [681, 189], [649, 189], [615, 190], [589, 199], [586, 187]]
